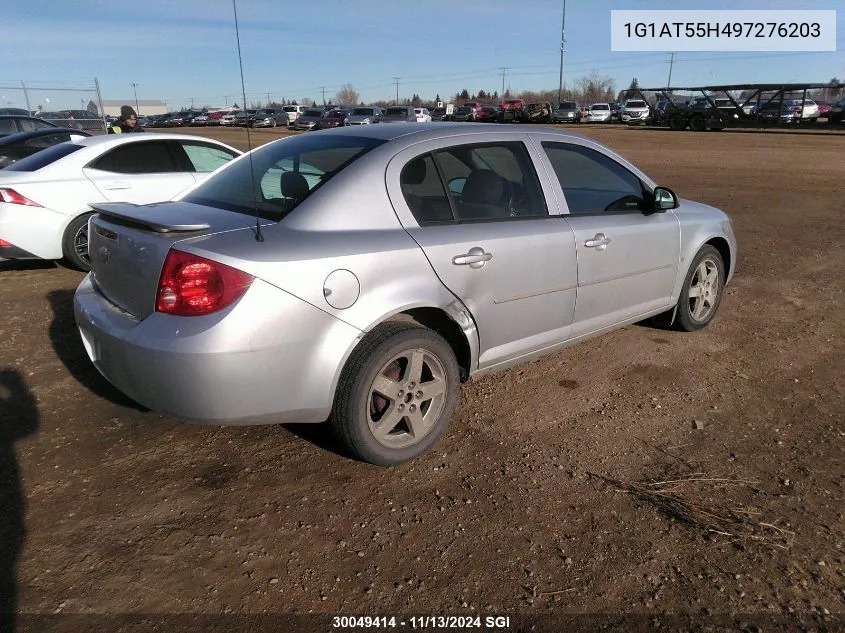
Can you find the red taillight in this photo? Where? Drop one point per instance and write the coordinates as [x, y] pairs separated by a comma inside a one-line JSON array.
[[13, 197], [191, 285]]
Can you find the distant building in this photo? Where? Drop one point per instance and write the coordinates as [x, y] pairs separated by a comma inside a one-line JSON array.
[[144, 107]]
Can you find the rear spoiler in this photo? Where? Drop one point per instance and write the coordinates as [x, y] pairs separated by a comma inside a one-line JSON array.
[[165, 217]]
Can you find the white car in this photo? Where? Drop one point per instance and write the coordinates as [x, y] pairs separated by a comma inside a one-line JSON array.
[[423, 115], [230, 117], [45, 197], [294, 111], [598, 113], [809, 111], [635, 111]]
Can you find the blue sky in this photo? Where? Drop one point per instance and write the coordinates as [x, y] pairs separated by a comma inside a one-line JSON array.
[[178, 49]]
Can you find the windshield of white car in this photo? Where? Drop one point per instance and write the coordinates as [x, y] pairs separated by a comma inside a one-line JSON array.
[[363, 112], [285, 173], [635, 104], [44, 157]]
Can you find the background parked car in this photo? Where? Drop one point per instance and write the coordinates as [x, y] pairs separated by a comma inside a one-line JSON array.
[[488, 114], [836, 114], [230, 118], [423, 115], [566, 112], [399, 114], [294, 111], [439, 114], [309, 119], [615, 113], [269, 117], [824, 108], [808, 110], [15, 111], [635, 111], [463, 113], [512, 111], [14, 147], [599, 113], [14, 123], [336, 117], [56, 186], [365, 115], [775, 111]]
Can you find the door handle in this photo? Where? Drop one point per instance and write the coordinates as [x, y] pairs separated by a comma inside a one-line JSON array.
[[599, 242], [475, 258], [117, 185]]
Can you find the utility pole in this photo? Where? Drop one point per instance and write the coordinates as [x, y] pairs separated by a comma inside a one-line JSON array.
[[562, 50], [268, 99], [226, 99], [671, 63], [504, 72], [396, 80], [323, 88], [192, 103], [135, 92]]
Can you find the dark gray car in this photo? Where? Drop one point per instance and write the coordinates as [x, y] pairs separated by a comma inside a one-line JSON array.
[[400, 114], [12, 124], [365, 115]]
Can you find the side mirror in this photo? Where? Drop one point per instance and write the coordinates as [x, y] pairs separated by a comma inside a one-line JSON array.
[[664, 199]]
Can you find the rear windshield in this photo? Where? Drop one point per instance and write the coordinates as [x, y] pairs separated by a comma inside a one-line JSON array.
[[635, 104], [601, 106], [44, 157], [315, 113], [285, 172], [396, 112], [568, 105], [363, 111]]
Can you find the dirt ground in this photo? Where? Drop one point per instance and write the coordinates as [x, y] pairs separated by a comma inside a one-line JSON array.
[[109, 509]]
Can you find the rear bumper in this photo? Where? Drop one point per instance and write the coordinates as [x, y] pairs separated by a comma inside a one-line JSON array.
[[269, 358], [34, 231]]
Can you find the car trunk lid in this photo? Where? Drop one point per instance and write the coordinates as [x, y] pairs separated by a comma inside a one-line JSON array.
[[128, 244]]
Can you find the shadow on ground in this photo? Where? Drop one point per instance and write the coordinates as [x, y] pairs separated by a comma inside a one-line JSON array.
[[26, 264], [18, 419], [67, 344]]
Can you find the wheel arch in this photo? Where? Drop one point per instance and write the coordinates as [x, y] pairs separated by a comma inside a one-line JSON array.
[[440, 321], [721, 245]]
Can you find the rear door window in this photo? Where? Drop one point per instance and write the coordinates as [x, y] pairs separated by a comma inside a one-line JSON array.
[[145, 157]]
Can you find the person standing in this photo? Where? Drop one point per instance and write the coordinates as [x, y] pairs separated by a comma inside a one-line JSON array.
[[127, 122]]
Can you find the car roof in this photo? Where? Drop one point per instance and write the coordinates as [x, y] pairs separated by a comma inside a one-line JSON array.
[[119, 139], [11, 139]]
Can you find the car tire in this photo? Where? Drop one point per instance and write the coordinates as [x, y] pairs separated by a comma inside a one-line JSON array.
[[75, 243], [702, 291], [392, 354], [698, 124]]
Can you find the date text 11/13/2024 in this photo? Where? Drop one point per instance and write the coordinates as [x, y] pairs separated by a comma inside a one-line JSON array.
[[422, 622]]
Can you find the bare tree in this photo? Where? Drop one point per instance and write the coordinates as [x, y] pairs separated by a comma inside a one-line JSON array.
[[347, 95], [596, 88]]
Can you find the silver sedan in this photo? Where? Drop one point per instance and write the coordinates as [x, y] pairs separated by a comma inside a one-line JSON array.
[[359, 275]]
